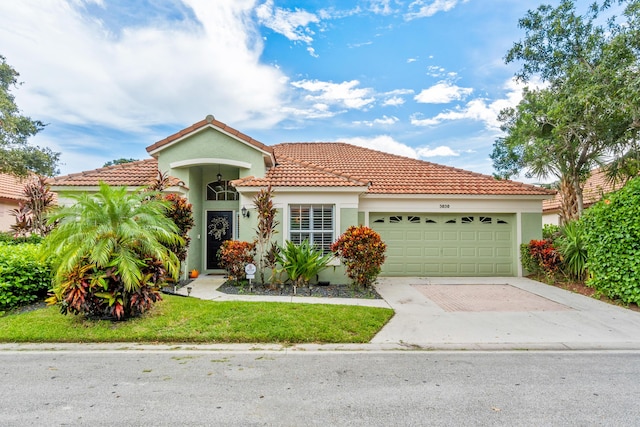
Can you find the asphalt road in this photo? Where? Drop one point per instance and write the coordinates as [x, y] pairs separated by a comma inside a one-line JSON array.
[[319, 388]]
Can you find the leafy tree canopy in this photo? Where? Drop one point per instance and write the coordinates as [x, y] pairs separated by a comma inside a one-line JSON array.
[[16, 156], [587, 110], [119, 161]]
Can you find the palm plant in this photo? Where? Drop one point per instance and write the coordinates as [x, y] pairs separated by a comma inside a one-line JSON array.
[[302, 262], [572, 248], [124, 233]]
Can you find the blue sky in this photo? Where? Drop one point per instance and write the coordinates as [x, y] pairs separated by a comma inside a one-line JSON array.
[[419, 78]]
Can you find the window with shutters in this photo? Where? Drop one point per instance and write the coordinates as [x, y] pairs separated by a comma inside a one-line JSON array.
[[313, 223]]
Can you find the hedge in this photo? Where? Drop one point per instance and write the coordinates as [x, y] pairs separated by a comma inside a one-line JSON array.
[[24, 277], [612, 237]]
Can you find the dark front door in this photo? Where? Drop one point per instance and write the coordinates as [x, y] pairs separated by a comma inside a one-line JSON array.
[[219, 228]]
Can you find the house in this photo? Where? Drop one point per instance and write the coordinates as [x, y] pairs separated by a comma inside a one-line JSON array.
[[436, 220], [11, 194], [596, 186]]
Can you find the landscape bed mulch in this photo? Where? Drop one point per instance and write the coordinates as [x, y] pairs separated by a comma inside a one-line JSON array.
[[321, 291]]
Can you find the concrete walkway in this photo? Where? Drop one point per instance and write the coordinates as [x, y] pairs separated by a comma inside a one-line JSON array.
[[205, 287], [478, 314]]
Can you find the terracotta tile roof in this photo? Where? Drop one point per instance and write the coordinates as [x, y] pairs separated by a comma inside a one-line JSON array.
[[596, 186], [332, 165], [135, 174], [391, 174], [209, 120], [291, 172], [11, 187]]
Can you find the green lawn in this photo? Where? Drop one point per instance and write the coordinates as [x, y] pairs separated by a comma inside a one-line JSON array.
[[190, 320]]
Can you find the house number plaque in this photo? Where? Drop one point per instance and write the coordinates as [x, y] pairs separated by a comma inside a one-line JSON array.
[[250, 270]]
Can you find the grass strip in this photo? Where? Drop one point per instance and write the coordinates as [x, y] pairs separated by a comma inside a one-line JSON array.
[[190, 320]]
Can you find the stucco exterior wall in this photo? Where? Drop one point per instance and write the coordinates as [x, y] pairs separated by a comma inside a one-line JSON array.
[[6, 219], [210, 144]]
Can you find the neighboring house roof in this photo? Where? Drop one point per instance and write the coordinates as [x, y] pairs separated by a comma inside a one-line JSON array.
[[594, 188], [133, 174], [11, 187], [388, 173]]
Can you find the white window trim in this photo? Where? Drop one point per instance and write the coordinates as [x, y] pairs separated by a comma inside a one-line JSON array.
[[335, 219]]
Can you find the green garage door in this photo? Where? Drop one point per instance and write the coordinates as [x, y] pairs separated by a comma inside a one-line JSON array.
[[447, 245]]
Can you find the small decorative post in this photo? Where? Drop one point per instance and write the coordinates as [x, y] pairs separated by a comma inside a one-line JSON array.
[[250, 271]]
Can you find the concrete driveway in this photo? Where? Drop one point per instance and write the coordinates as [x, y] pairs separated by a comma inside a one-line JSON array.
[[500, 313]]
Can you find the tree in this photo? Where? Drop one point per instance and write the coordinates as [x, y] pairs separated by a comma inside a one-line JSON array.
[[31, 213], [266, 250], [110, 252], [16, 156], [119, 161], [588, 109]]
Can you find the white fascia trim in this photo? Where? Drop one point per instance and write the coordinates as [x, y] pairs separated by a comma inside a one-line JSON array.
[[176, 190], [85, 188], [456, 196], [208, 161]]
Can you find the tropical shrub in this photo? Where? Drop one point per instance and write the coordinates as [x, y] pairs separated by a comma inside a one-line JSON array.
[[10, 239], [100, 293], [572, 250], [302, 262], [612, 239], [234, 255], [528, 262], [266, 250], [111, 249], [24, 276], [546, 257], [550, 231], [31, 213], [180, 212], [362, 251]]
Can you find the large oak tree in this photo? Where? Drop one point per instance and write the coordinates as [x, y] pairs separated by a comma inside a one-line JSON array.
[[17, 157], [587, 112]]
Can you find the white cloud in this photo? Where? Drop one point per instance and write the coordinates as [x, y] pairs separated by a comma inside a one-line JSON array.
[[344, 94], [425, 8], [394, 101], [480, 109], [394, 98], [441, 151], [417, 120], [384, 143], [291, 24], [435, 71], [410, 60], [442, 93], [316, 111], [384, 121], [77, 72], [381, 7]]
